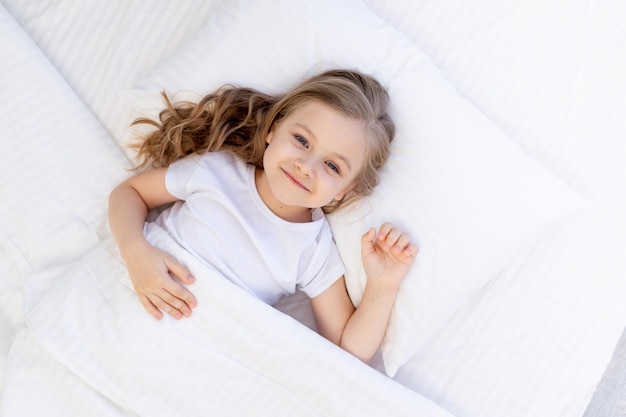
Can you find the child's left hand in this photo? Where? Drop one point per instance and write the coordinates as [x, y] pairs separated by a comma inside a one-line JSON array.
[[387, 257]]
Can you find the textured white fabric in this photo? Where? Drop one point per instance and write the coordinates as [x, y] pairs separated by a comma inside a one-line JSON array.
[[38, 385], [537, 341], [224, 222], [549, 73], [58, 165], [469, 196], [234, 356], [58, 162], [100, 47]]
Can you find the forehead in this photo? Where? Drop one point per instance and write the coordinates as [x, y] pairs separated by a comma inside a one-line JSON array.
[[330, 130]]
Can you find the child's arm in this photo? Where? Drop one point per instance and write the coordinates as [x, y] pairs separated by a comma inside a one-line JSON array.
[[387, 259], [151, 270]]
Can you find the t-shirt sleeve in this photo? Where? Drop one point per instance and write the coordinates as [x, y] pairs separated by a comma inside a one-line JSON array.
[[331, 270], [201, 172], [178, 178]]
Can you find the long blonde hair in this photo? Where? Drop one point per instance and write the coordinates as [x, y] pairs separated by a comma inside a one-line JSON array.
[[238, 120]]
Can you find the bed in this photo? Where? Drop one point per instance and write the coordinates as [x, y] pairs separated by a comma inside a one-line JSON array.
[[507, 168]]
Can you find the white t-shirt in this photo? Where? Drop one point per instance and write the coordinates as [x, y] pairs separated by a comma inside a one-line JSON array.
[[223, 221]]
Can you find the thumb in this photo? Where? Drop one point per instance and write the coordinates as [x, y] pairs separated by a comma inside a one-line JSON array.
[[179, 270], [367, 241]]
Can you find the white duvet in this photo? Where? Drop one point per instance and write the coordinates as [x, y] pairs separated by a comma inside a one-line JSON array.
[[234, 356]]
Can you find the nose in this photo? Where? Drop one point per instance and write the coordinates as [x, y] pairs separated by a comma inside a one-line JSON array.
[[304, 166]]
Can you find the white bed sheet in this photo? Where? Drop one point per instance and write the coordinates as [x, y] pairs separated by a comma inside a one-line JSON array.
[[65, 166], [101, 48], [535, 341], [53, 178], [551, 76]]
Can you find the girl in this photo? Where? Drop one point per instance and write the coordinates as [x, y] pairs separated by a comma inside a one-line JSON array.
[[251, 176]]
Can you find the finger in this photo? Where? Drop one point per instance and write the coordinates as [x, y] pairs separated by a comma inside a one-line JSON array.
[[368, 237], [384, 230], [165, 306], [402, 243], [174, 304], [179, 270], [392, 237], [412, 250], [367, 241], [150, 308], [181, 293]]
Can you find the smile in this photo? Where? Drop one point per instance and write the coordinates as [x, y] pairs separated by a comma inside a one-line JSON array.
[[294, 180]]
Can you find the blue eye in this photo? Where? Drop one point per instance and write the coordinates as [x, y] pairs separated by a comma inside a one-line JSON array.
[[302, 141], [332, 166]]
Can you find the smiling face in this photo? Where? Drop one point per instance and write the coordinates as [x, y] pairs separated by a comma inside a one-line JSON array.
[[313, 157]]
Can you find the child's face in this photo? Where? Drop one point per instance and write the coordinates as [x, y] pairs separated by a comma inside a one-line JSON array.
[[313, 156]]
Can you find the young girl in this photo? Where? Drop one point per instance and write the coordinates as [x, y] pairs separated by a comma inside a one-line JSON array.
[[251, 176]]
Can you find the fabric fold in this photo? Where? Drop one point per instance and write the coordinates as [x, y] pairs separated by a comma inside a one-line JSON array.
[[234, 356]]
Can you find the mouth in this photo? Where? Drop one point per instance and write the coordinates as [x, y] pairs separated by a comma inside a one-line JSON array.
[[294, 180]]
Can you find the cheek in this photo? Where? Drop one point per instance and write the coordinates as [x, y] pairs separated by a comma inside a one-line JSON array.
[[348, 184], [336, 185], [268, 156]]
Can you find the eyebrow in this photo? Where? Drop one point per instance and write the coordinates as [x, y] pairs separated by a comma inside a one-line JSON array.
[[339, 156]]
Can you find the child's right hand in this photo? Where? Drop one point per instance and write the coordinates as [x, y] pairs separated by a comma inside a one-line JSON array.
[[158, 278]]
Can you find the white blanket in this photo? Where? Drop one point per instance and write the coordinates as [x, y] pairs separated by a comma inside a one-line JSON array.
[[534, 342], [234, 356]]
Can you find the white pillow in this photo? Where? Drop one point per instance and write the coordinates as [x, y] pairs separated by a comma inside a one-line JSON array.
[[469, 196]]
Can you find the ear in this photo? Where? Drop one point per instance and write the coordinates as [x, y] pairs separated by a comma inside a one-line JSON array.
[[269, 136]]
